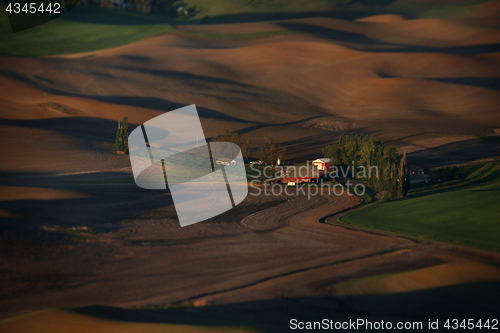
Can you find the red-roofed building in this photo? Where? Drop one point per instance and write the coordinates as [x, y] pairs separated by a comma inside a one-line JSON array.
[[323, 164]]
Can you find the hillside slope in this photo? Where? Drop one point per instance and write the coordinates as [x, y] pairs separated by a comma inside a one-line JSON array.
[[420, 83], [463, 211]]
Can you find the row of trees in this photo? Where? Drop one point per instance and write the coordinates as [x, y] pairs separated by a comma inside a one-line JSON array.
[[236, 138], [364, 152], [443, 174], [269, 153]]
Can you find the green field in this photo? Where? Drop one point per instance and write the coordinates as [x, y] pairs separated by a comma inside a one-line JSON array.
[[86, 29], [221, 9], [90, 28], [464, 211], [452, 9], [83, 29]]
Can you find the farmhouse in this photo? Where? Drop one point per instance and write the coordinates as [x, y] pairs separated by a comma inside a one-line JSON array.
[[323, 163], [226, 161], [417, 175]]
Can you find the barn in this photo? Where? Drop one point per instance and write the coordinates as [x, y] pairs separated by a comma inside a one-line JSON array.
[[299, 174], [323, 164]]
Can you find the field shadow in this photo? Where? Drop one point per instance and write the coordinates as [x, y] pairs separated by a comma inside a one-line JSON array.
[[88, 128], [154, 103], [466, 301], [135, 57], [363, 43], [462, 50], [481, 82], [329, 33], [339, 12], [106, 197], [307, 148], [485, 190], [258, 126], [454, 153], [182, 75]]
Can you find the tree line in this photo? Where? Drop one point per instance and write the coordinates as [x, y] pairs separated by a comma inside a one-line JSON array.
[[269, 153], [364, 152]]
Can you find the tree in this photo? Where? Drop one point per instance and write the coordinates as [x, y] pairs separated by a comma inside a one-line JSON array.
[[353, 151], [242, 141], [270, 152], [143, 6], [121, 141], [403, 178]]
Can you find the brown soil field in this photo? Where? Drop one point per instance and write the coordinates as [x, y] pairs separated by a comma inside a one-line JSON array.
[[425, 278], [269, 248], [405, 80], [52, 321], [428, 86]]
